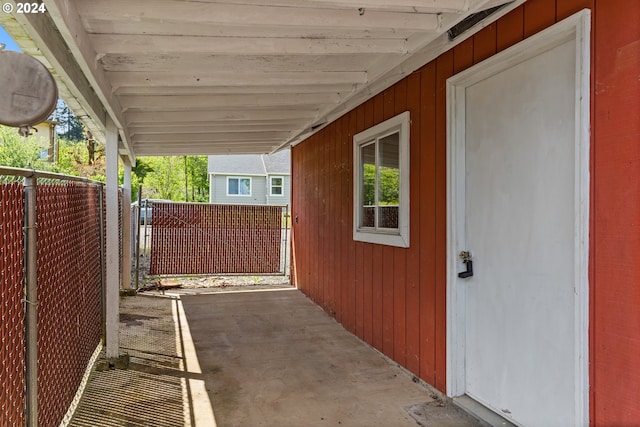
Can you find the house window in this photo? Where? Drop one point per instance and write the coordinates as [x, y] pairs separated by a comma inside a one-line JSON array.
[[277, 185], [238, 186], [381, 183]]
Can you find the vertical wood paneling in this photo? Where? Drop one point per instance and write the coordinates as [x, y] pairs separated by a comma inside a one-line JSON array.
[[388, 307], [395, 299], [378, 260], [444, 70], [615, 326], [367, 291], [484, 43], [359, 303], [413, 254], [463, 55], [341, 250], [351, 299], [538, 15], [331, 218], [428, 224], [510, 29], [400, 262]]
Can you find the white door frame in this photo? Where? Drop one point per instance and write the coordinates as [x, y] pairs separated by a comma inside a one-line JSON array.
[[575, 27]]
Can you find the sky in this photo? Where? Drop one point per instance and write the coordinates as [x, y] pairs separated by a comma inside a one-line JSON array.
[[8, 41]]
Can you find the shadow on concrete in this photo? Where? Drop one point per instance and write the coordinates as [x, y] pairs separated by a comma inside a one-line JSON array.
[[267, 357]]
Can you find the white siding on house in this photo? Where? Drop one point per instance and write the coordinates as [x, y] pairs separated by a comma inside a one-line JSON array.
[[285, 199], [218, 191]]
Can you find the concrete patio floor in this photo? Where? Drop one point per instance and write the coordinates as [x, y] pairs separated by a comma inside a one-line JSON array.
[[268, 357]]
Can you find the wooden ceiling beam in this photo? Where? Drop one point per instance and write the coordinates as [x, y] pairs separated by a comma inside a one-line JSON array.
[[256, 15], [242, 46], [191, 102], [238, 78], [292, 89], [210, 128], [212, 116], [211, 137]]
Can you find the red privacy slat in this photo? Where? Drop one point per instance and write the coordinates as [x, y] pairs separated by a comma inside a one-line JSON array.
[[211, 239], [69, 292], [12, 380]]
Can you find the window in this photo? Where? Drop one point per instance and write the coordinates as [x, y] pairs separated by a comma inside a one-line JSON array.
[[381, 183], [277, 186], [238, 186]]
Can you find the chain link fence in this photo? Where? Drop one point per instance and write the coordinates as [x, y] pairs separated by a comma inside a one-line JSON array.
[[69, 291], [198, 238], [68, 302], [12, 374]]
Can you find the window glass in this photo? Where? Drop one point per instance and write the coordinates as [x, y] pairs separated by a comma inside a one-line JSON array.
[[389, 181], [381, 183], [368, 155], [276, 186], [233, 185], [245, 186], [239, 186]]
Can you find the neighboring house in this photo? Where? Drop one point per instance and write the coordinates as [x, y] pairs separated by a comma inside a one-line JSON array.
[[259, 179]]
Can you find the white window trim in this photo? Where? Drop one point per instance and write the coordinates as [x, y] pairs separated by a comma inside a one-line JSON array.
[[239, 178], [271, 186], [390, 237]]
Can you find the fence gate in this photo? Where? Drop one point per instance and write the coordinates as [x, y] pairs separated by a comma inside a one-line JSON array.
[[192, 238]]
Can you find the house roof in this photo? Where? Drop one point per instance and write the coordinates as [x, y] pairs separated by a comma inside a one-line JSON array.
[[250, 164], [279, 162]]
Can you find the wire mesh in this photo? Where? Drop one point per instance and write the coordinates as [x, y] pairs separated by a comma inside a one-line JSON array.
[[190, 238], [69, 292], [12, 373]]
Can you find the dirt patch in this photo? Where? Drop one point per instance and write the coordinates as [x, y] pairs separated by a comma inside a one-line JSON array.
[[131, 319], [208, 284]]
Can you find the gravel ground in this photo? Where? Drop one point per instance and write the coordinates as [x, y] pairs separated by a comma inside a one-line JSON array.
[[211, 284]]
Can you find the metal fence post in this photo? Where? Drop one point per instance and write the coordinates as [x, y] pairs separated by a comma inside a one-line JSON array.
[[286, 240], [103, 271], [31, 300], [137, 251]]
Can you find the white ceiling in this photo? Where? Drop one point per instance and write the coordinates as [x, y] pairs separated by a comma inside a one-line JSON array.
[[230, 76]]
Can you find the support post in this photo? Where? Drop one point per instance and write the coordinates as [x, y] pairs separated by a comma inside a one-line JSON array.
[[126, 225], [137, 249], [103, 263], [31, 300], [113, 279]]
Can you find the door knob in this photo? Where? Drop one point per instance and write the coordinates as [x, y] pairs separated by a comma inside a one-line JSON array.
[[465, 256]]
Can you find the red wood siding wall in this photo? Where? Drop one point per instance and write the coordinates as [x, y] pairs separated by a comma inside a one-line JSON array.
[[394, 298], [615, 296]]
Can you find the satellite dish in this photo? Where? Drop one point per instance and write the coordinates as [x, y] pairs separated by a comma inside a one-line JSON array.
[[28, 92]]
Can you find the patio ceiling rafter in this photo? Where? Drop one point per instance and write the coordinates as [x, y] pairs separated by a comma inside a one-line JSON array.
[[184, 75], [67, 21]]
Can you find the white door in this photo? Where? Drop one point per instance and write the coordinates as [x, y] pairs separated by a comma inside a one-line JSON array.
[[519, 212]]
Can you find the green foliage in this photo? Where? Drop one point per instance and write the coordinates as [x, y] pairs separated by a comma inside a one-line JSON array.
[[70, 127], [167, 179], [141, 169], [198, 178], [19, 152], [389, 193], [173, 178], [388, 184]]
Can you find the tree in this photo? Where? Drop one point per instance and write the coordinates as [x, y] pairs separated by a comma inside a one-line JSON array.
[[70, 127], [165, 182], [20, 152], [165, 177], [198, 177]]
